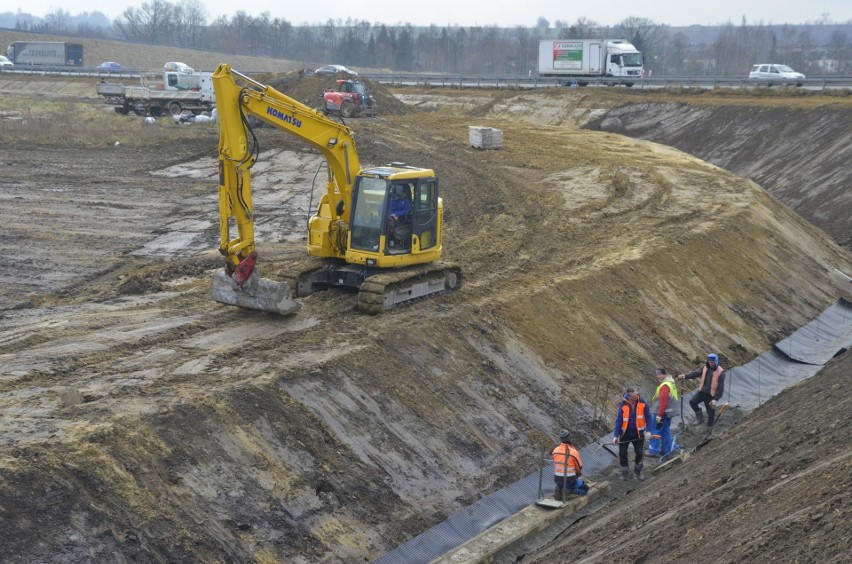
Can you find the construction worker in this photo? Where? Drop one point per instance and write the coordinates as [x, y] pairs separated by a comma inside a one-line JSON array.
[[631, 427], [567, 467], [710, 388], [664, 398]]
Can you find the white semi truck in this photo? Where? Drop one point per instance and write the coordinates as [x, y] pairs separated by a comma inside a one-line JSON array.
[[52, 53], [575, 59], [181, 90]]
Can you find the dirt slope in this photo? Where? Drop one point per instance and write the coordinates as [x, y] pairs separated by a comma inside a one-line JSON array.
[[140, 420], [765, 144], [776, 488]]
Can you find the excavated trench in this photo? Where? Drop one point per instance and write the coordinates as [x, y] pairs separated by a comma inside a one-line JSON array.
[[142, 421]]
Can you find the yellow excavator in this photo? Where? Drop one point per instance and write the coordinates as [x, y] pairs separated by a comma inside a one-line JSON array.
[[378, 230]]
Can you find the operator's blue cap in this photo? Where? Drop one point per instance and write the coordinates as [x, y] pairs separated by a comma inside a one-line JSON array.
[[714, 357]]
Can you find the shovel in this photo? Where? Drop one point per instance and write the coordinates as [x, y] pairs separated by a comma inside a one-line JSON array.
[[707, 438]]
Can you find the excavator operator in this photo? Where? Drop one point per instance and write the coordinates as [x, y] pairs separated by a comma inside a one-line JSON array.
[[399, 224]]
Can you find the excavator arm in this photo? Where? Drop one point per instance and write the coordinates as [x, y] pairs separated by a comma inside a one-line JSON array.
[[241, 284], [335, 141]]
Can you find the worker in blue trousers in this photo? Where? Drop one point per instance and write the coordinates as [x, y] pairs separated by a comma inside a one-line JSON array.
[[567, 468], [664, 398]]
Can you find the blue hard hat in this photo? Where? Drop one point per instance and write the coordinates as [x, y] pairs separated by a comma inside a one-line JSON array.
[[714, 357]]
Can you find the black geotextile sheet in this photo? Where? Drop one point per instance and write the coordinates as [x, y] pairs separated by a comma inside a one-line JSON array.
[[822, 338], [792, 360], [492, 509]]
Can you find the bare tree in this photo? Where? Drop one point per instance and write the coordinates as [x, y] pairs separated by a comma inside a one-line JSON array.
[[583, 28], [280, 35], [676, 59], [193, 16], [150, 23], [839, 52], [725, 50], [404, 58], [641, 32], [57, 21]]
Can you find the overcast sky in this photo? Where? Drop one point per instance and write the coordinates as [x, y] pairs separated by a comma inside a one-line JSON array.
[[492, 12]]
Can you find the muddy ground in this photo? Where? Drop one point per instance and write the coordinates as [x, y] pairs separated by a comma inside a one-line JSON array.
[[140, 420]]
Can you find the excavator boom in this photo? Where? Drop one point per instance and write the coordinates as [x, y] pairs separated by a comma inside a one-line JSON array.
[[236, 157]]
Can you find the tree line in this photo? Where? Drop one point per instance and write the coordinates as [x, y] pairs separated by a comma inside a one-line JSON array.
[[821, 48]]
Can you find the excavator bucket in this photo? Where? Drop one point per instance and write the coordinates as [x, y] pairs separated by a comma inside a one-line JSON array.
[[255, 293]]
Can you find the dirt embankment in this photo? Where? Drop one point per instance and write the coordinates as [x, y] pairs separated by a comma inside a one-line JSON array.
[[141, 420], [776, 488], [799, 154]]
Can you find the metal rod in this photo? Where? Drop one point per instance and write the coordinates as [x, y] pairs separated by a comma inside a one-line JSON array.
[[540, 472], [730, 385]]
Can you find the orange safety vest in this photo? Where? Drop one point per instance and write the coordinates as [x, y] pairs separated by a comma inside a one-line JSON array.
[[566, 464], [713, 383], [640, 416]]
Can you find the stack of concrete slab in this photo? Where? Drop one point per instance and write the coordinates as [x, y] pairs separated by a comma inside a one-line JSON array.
[[484, 137]]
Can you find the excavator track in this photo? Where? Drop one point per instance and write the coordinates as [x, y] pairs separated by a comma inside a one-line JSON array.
[[382, 292]]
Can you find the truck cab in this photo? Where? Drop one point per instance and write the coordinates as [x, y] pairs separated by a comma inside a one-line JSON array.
[[174, 80], [623, 59]]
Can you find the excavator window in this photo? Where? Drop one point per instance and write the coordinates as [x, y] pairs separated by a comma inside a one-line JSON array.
[[367, 217], [399, 220], [424, 218]]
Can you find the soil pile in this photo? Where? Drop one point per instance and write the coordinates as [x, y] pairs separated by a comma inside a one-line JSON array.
[[141, 419], [307, 88]]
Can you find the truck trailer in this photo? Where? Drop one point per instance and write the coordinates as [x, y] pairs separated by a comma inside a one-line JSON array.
[[576, 59], [53, 53], [180, 91]]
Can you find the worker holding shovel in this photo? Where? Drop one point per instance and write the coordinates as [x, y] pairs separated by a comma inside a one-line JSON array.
[[710, 388]]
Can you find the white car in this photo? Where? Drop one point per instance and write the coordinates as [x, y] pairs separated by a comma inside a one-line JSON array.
[[776, 73], [4, 62], [335, 69], [178, 67]]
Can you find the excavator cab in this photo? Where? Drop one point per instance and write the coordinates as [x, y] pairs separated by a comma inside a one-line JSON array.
[[394, 216]]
